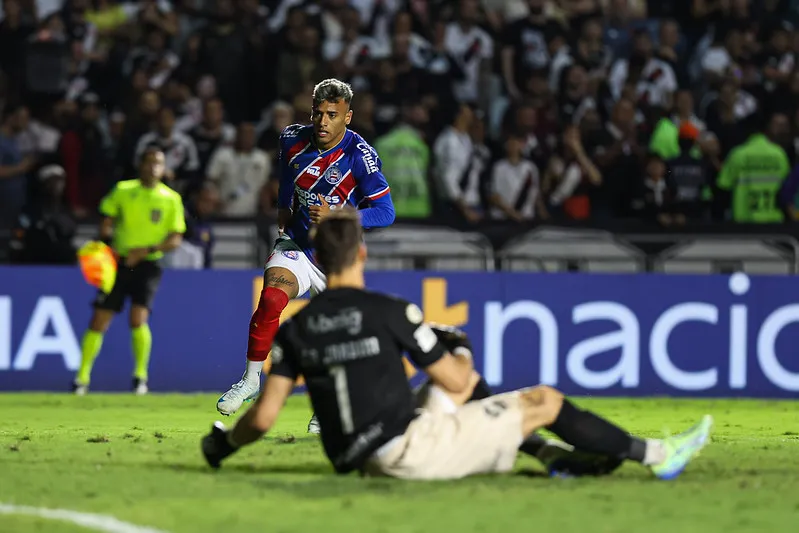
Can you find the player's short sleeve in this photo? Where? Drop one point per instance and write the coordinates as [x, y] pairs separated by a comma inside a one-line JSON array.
[[417, 338], [284, 360], [288, 137], [177, 217], [109, 205], [368, 170]]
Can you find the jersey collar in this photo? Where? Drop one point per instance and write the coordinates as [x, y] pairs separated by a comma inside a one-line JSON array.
[[321, 153]]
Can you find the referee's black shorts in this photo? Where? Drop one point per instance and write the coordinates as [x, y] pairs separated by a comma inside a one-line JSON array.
[[139, 283]]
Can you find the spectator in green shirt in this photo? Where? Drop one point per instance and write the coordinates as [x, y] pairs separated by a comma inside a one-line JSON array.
[[754, 173], [406, 159]]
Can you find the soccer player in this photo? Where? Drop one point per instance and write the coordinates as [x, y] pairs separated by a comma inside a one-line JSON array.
[[325, 166], [348, 344], [146, 219]]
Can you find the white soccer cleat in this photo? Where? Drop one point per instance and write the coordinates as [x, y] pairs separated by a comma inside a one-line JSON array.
[[243, 391], [80, 389], [313, 426]]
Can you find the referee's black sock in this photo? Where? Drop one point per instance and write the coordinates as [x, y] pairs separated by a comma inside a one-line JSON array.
[[588, 432], [532, 444]]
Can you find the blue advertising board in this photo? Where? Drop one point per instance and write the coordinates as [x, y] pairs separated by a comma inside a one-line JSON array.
[[587, 334]]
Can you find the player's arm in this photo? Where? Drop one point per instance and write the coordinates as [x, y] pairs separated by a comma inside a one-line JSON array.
[[378, 208], [454, 339], [177, 228], [258, 421], [282, 376], [252, 426], [261, 417], [285, 193], [450, 372]]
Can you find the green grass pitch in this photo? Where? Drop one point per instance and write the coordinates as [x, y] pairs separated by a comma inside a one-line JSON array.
[[138, 460]]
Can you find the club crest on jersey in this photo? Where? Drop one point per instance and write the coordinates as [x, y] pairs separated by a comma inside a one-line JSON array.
[[292, 254], [333, 175], [155, 215]]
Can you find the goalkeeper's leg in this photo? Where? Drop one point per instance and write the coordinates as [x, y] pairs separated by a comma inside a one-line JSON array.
[[557, 456], [545, 407]]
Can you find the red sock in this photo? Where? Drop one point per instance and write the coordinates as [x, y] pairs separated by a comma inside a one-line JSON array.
[[265, 322]]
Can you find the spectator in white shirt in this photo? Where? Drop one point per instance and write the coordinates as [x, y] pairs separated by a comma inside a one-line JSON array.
[[453, 155], [722, 55], [240, 172], [472, 48], [515, 185], [182, 161], [655, 81]]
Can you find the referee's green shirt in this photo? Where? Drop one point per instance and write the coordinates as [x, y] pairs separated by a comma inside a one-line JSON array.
[[143, 217]]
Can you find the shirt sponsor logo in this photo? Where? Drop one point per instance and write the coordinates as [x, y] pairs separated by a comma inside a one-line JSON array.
[[369, 157], [349, 320], [307, 198]]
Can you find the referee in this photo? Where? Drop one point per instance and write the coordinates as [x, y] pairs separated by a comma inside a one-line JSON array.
[[146, 219]]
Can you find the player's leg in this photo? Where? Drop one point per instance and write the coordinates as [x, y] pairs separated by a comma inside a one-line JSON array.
[[90, 347], [144, 286], [141, 343], [105, 307], [484, 436], [286, 277], [545, 407], [223, 442], [280, 286], [318, 284], [557, 456]]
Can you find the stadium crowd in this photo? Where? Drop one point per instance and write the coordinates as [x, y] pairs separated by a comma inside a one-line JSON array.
[[515, 110]]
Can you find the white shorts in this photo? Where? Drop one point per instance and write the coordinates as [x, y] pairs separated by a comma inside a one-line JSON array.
[[450, 442], [288, 255]]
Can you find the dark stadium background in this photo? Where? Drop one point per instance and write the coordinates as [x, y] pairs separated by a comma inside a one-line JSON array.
[[81, 82]]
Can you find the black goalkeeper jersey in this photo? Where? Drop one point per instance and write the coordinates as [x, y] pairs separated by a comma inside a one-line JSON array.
[[348, 344]]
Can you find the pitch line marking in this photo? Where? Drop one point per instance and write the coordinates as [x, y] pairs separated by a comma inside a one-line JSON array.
[[97, 522]]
